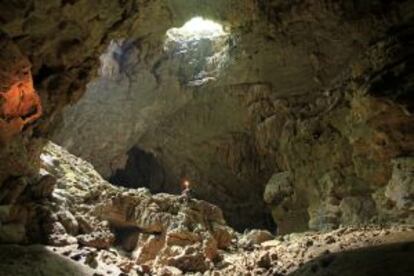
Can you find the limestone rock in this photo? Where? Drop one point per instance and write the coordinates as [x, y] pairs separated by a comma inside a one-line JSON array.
[[148, 247], [190, 259], [283, 102], [12, 190], [400, 189], [100, 240], [264, 260], [224, 236], [159, 229], [44, 187], [278, 187], [12, 233], [357, 210], [169, 271], [36, 260], [255, 237], [69, 222]]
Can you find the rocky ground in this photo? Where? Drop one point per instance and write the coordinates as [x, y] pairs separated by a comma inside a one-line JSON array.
[[94, 228]]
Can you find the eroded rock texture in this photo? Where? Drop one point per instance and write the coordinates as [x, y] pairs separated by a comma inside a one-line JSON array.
[[309, 119], [59, 43], [156, 230], [87, 226], [317, 89], [315, 100]]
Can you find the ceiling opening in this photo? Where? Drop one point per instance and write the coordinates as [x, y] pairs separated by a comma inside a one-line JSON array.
[[197, 28], [200, 48]]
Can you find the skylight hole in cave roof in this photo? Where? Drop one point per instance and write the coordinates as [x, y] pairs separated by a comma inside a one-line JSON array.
[[200, 48], [195, 29]]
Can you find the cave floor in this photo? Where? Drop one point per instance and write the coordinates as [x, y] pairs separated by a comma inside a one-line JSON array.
[[90, 227], [345, 251]]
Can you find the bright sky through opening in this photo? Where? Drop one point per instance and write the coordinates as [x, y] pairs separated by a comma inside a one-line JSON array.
[[197, 28]]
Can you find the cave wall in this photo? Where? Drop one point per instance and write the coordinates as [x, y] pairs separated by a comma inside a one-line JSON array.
[[306, 79], [61, 42], [315, 102], [49, 52]]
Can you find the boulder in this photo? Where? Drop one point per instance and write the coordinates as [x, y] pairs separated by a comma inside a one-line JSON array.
[[255, 237]]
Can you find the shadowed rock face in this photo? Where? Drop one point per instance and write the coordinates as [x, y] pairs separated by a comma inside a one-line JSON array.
[[59, 42], [312, 89], [317, 89], [141, 170]]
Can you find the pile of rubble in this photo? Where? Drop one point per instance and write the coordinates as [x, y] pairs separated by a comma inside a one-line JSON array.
[[95, 228], [148, 230]]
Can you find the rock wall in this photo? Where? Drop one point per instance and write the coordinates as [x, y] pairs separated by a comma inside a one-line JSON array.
[[317, 90], [342, 162], [59, 43], [305, 80]]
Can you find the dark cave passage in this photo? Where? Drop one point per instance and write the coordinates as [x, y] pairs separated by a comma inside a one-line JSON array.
[[141, 170]]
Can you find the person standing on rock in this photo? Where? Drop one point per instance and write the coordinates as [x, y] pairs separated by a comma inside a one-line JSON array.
[[186, 194]]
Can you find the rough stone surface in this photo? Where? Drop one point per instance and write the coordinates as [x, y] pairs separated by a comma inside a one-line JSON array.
[[37, 260], [58, 42], [336, 252], [278, 188], [94, 228], [158, 229], [317, 89], [346, 251], [255, 237], [320, 90], [400, 189]]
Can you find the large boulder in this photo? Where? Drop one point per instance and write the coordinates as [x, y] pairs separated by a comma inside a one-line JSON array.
[[159, 229]]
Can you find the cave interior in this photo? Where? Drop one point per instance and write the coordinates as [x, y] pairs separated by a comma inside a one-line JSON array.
[[206, 137]]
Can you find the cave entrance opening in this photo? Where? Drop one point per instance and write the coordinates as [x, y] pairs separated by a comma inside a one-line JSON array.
[[200, 48]]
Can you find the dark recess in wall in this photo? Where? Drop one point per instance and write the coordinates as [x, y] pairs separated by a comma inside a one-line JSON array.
[[142, 170]]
